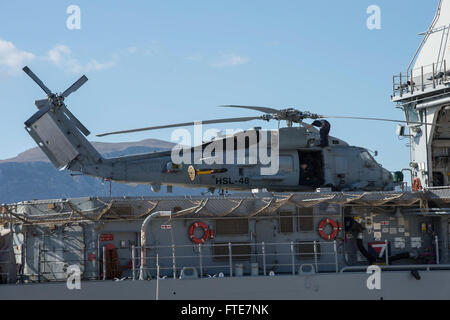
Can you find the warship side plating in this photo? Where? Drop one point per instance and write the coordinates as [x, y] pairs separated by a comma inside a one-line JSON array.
[[321, 241]]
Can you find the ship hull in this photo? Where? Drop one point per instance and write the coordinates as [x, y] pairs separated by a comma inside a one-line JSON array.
[[434, 284]]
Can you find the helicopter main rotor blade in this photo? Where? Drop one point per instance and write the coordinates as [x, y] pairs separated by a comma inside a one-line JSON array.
[[37, 80], [379, 119], [262, 109], [74, 87], [184, 124]]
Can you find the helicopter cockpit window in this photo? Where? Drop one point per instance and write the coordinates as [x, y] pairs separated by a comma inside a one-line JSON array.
[[365, 156], [367, 159]]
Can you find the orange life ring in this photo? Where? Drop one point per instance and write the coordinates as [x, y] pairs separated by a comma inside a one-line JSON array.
[[207, 233], [417, 185], [333, 224]]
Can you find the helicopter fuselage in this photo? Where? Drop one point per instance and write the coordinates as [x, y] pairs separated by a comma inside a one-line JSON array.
[[340, 167], [288, 159]]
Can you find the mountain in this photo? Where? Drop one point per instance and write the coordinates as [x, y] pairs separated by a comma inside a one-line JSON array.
[[120, 148], [31, 176]]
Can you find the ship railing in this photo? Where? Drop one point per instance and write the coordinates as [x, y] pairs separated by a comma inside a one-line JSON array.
[[8, 260], [420, 79], [229, 259], [213, 260], [51, 266], [47, 268], [403, 267]]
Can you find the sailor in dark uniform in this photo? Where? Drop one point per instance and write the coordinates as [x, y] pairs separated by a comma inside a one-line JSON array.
[[307, 176], [324, 126]]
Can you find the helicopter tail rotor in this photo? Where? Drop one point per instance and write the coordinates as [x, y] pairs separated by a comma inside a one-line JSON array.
[[74, 87], [77, 122], [55, 101], [37, 80], [38, 115]]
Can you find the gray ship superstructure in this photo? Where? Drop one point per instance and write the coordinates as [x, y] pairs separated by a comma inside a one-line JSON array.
[[423, 93]]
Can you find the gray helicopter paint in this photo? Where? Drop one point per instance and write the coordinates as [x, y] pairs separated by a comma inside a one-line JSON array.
[[62, 137], [67, 147], [53, 141]]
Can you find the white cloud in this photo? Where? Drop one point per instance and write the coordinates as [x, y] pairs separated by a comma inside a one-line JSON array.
[[61, 56], [194, 57], [12, 59], [153, 49], [132, 50], [229, 60]]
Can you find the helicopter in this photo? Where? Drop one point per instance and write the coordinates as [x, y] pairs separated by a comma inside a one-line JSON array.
[[274, 160]]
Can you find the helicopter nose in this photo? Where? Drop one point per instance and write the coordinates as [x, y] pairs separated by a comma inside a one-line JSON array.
[[387, 177]]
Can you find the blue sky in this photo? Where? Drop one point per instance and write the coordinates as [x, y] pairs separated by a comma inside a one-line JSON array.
[[158, 62]]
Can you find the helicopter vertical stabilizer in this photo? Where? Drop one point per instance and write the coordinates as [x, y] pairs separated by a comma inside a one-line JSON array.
[[60, 139], [58, 133]]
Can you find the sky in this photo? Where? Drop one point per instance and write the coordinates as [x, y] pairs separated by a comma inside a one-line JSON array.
[[160, 62]]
